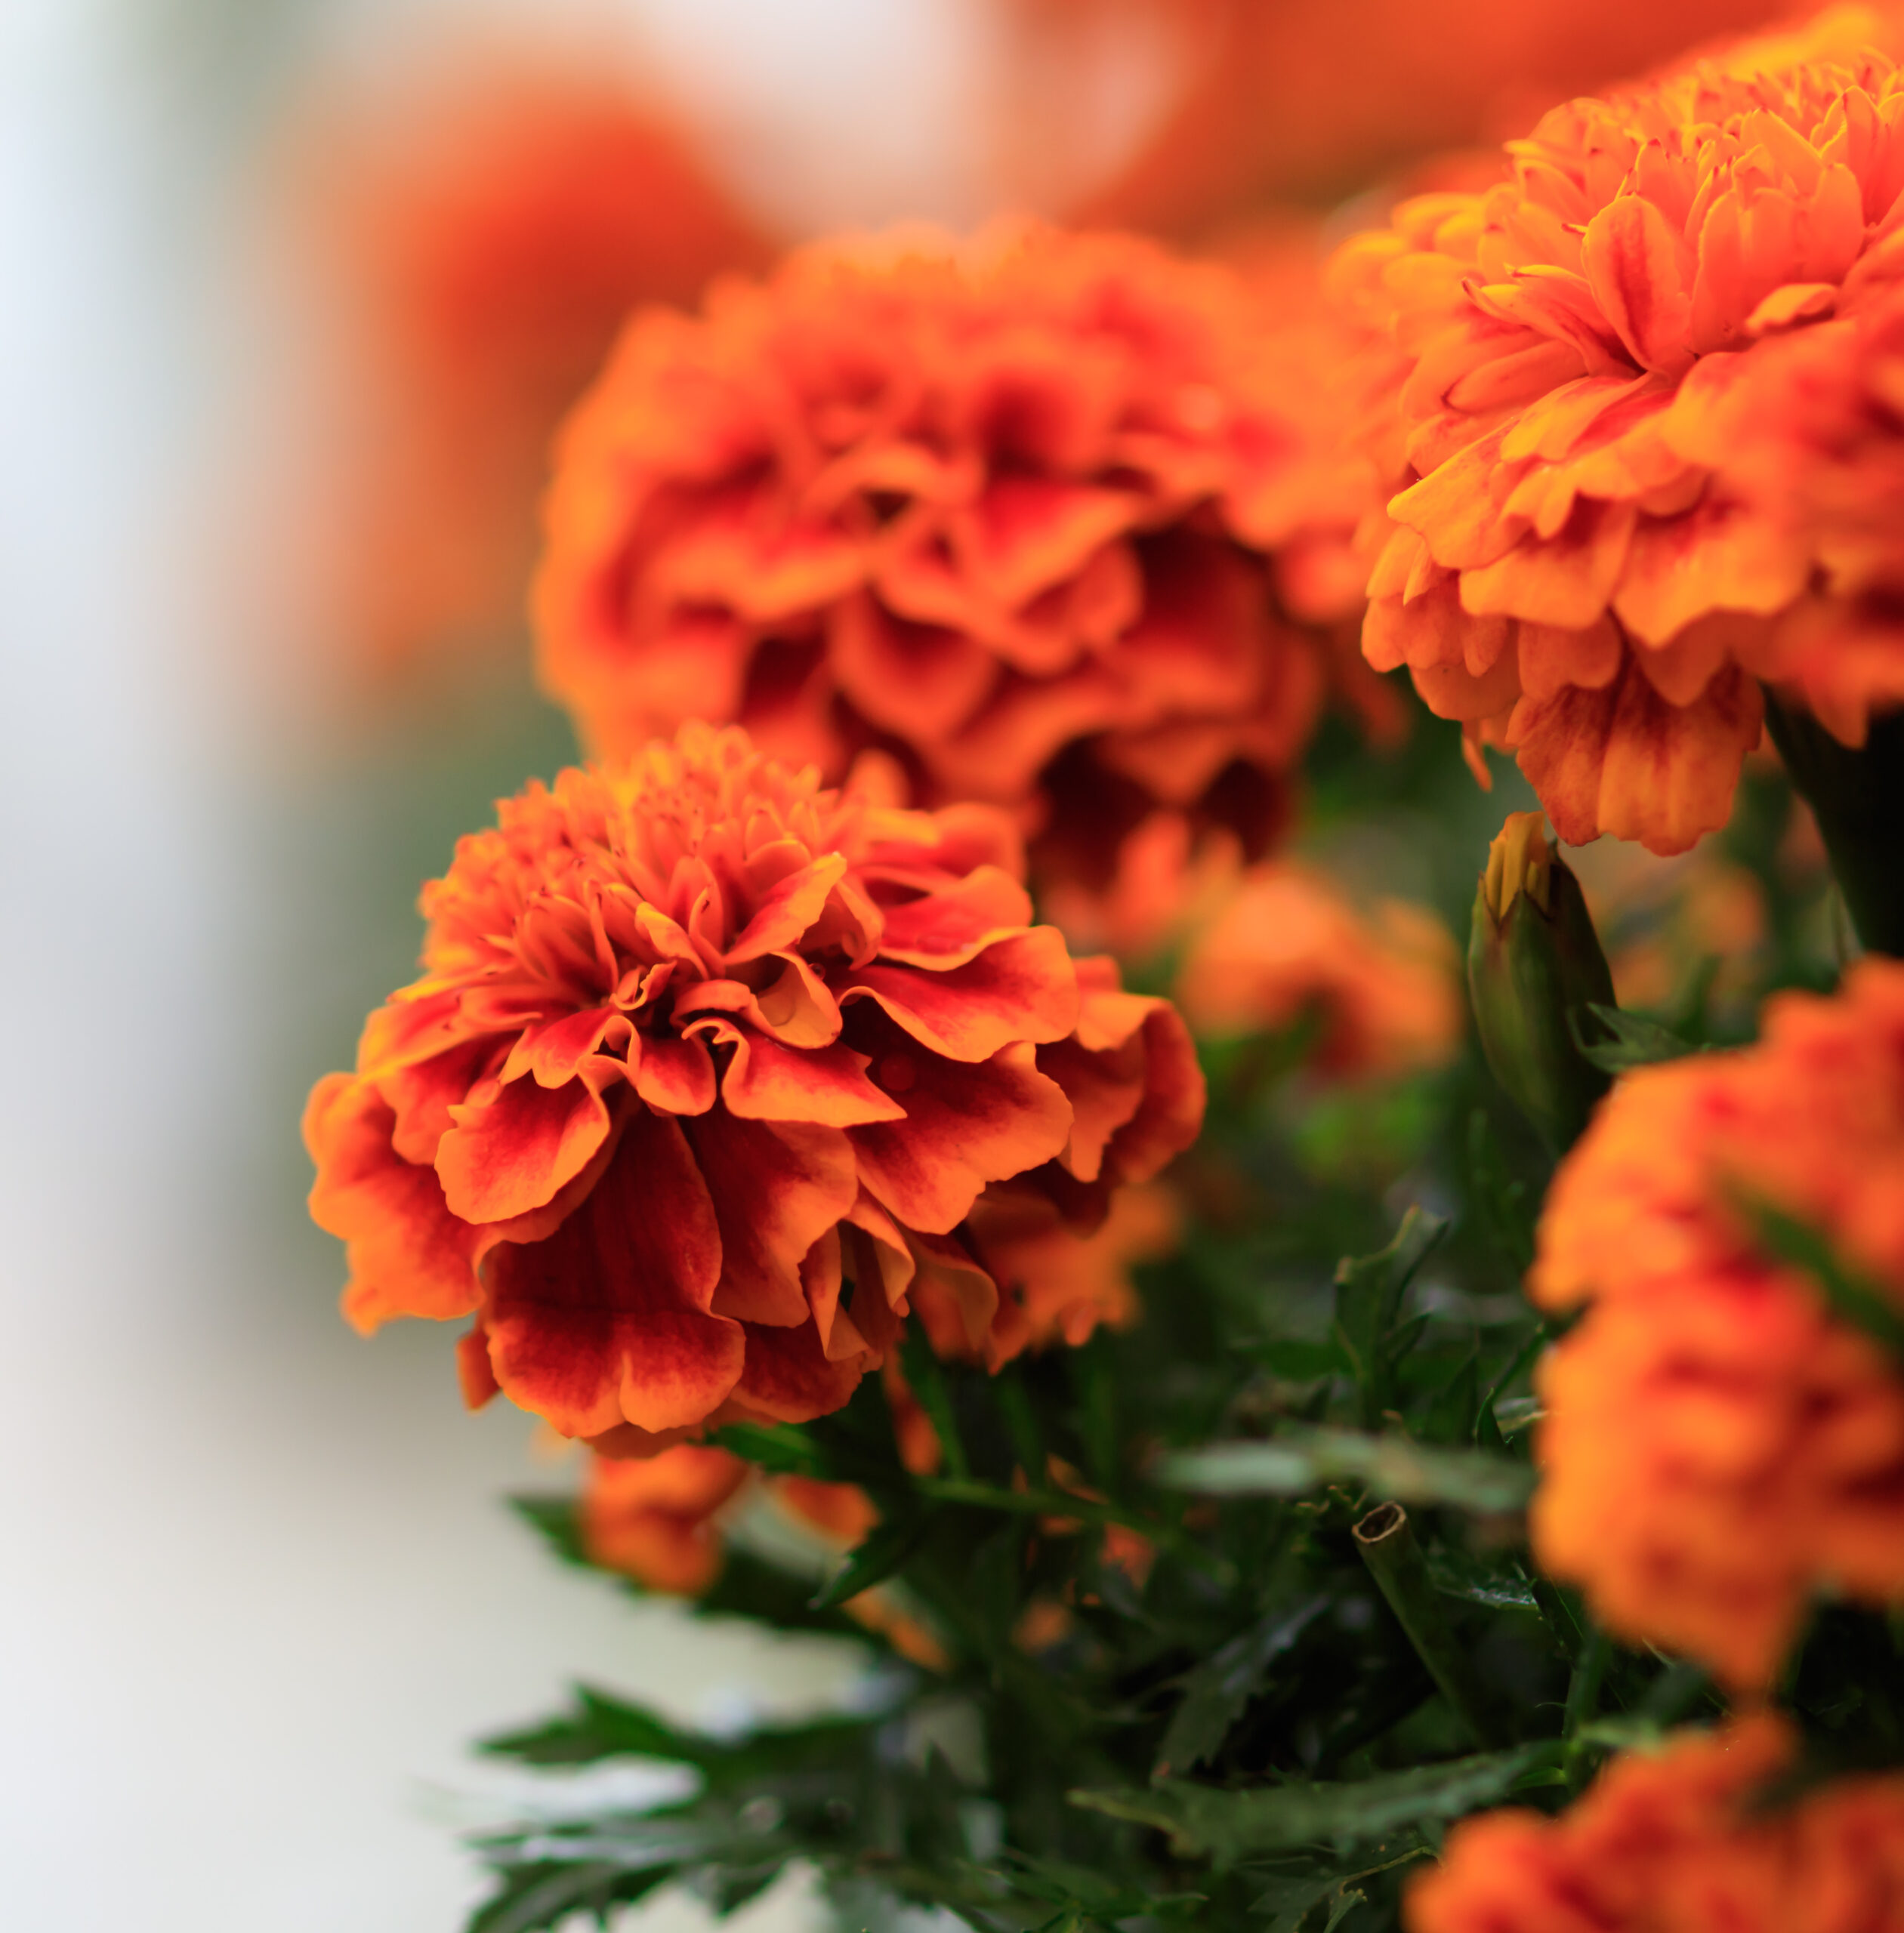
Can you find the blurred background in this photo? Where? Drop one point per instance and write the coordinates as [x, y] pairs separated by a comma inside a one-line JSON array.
[[295, 290]]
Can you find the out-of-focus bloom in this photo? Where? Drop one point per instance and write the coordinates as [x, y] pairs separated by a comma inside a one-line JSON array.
[[841, 1512], [698, 1046], [1667, 923], [652, 1518], [1534, 965], [1718, 1442], [1584, 562], [1288, 944], [1025, 512], [1671, 1842], [492, 239], [1282, 99]]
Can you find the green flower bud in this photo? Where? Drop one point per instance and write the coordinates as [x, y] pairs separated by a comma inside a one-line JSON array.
[[1533, 958]]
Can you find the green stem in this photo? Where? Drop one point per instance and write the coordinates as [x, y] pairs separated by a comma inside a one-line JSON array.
[[1583, 1690], [1388, 1548], [1858, 794]]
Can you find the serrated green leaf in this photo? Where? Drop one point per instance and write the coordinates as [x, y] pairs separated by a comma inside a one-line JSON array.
[[886, 1547], [1631, 1041], [539, 1898], [597, 1727], [1228, 1824], [1216, 1692], [1296, 1461]]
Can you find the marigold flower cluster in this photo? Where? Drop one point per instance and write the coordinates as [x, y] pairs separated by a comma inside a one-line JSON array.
[[1590, 381], [1024, 512], [1671, 1842], [704, 1086], [1719, 1443]]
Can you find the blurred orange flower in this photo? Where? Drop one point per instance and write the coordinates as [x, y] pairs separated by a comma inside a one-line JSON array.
[[1280, 99], [698, 1045], [1581, 562], [1717, 1443], [1671, 1842], [494, 237], [1025, 512], [651, 1518], [1387, 991]]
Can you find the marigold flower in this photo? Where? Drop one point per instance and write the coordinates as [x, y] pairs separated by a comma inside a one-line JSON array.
[[706, 1068], [1386, 990], [1717, 1442], [494, 240], [652, 1518], [1284, 102], [1022, 511], [1580, 563], [1670, 1842]]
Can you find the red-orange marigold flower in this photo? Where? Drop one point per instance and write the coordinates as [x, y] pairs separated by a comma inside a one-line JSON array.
[[1717, 1443], [652, 1518], [1671, 1842], [1023, 511], [700, 1048], [494, 238], [1581, 564], [1387, 992]]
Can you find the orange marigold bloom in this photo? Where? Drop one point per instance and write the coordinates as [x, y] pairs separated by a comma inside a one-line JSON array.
[[1580, 563], [1670, 1842], [1022, 511], [652, 1518], [1387, 992], [494, 238], [697, 1046], [1717, 1443]]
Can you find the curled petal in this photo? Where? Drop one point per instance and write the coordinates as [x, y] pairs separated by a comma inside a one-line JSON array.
[[510, 1153], [766, 1081], [408, 1254], [775, 1189], [1023, 988], [963, 1125], [607, 1320]]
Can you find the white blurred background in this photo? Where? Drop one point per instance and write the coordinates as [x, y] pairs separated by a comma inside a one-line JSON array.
[[258, 1587]]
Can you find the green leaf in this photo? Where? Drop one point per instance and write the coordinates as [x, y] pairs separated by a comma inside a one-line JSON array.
[[886, 1547], [554, 1519], [1216, 1690], [598, 1727], [1368, 1293], [1632, 1041], [1228, 1825], [1296, 1461], [537, 1898], [779, 1447], [1854, 1296]]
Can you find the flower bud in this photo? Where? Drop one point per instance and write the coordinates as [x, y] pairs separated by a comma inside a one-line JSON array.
[[1533, 960]]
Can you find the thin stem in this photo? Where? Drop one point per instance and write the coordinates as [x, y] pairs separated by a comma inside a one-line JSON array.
[[1386, 1542]]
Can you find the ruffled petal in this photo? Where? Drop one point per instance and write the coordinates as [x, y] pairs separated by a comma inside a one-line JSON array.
[[1021, 989], [607, 1320], [408, 1255], [964, 1124], [510, 1153], [777, 1190]]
